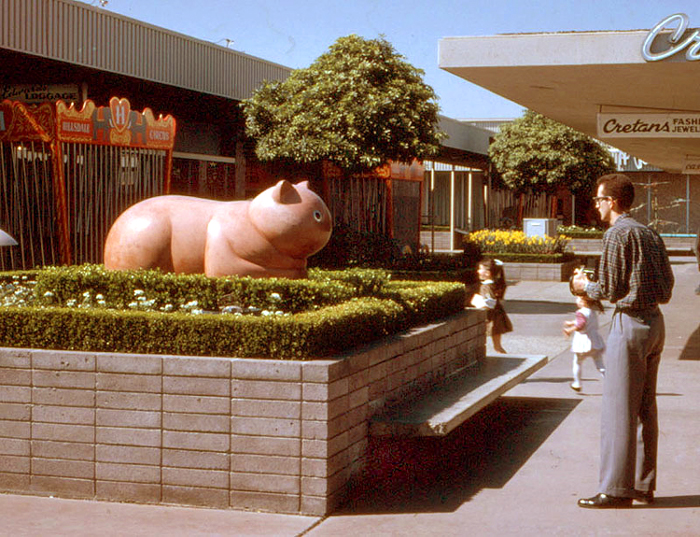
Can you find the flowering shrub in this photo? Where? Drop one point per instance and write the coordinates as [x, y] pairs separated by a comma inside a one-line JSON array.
[[17, 292], [497, 241], [20, 292]]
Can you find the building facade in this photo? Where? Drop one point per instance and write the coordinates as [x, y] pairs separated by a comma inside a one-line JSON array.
[[64, 50]]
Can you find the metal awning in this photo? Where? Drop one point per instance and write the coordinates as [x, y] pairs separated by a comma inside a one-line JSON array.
[[573, 77]]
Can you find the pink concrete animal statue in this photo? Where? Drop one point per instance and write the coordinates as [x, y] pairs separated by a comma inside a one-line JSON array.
[[269, 236]]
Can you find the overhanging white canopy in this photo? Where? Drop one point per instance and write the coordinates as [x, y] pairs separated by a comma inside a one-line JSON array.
[[574, 77]]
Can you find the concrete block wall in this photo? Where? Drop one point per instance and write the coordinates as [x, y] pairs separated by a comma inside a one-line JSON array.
[[439, 240], [273, 435], [556, 272]]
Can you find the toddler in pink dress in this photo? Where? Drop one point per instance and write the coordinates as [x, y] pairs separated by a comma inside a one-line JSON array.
[[586, 341]]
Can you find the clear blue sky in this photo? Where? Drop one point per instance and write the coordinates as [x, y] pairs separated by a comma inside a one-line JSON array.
[[295, 32]]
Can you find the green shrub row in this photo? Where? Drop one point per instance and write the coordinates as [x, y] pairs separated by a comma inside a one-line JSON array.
[[340, 314]]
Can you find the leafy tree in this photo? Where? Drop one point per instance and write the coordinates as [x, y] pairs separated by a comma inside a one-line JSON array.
[[535, 153], [358, 105]]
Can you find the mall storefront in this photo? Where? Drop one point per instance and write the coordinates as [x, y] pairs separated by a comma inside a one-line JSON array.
[[583, 80]]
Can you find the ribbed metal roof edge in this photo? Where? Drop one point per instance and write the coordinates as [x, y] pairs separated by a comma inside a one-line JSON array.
[[60, 29]]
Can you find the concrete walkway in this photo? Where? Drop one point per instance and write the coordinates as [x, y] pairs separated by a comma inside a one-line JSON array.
[[516, 468]]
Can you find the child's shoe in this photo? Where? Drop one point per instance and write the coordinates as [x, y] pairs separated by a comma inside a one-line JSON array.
[[575, 386]]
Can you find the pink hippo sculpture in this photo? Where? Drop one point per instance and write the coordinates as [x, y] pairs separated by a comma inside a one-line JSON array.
[[271, 235]]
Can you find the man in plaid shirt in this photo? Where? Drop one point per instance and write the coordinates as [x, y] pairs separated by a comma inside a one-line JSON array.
[[634, 274]]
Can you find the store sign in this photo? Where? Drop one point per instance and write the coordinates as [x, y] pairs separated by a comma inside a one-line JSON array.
[[692, 165], [657, 48], [40, 93], [116, 124], [673, 125]]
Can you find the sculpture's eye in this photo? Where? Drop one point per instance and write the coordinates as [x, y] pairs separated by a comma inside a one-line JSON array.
[[318, 216]]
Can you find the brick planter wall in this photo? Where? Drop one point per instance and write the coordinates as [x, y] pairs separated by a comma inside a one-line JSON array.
[[273, 435]]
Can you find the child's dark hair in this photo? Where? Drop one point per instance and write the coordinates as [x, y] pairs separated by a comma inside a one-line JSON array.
[[498, 275]]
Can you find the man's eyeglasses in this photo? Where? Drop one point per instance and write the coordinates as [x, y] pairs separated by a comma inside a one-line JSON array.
[[598, 199]]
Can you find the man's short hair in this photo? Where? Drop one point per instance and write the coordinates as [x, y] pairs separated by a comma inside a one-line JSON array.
[[619, 187]]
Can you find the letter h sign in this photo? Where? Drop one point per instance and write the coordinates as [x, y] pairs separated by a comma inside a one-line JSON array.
[[120, 109]]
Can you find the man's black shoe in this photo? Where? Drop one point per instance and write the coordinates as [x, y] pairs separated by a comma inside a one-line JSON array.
[[603, 501]]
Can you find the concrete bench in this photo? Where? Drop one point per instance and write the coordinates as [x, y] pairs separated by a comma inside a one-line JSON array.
[[447, 406]]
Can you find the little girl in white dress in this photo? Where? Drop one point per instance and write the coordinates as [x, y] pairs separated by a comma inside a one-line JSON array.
[[586, 341]]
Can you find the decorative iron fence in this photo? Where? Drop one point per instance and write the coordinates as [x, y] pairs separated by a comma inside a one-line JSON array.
[[28, 205], [101, 182], [67, 174]]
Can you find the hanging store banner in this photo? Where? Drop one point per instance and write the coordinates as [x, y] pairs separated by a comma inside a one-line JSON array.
[[115, 124], [672, 125]]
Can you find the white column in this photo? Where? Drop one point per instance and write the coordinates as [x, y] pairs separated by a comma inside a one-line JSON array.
[[452, 207], [432, 207], [470, 203]]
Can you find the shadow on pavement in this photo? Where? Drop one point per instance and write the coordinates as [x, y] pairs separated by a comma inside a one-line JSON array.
[[691, 351], [539, 307], [673, 502], [410, 475]]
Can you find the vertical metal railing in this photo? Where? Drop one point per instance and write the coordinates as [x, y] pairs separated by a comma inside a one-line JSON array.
[[101, 182], [27, 205]]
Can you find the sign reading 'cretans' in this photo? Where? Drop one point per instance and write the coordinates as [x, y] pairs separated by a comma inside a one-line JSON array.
[[655, 48], [674, 125]]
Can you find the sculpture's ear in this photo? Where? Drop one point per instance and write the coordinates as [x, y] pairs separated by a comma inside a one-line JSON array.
[[284, 192]]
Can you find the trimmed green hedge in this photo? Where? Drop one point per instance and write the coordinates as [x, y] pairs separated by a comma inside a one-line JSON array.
[[333, 312], [56, 286]]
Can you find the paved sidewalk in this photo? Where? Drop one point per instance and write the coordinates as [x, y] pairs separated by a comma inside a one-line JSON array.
[[516, 468]]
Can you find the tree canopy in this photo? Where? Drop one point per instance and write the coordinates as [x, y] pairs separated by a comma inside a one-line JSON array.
[[358, 105], [538, 154]]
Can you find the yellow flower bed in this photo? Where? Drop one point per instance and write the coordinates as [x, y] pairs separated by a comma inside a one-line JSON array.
[[497, 241]]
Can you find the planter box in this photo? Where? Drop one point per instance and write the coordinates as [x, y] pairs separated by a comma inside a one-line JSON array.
[[558, 272], [584, 246], [271, 435]]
